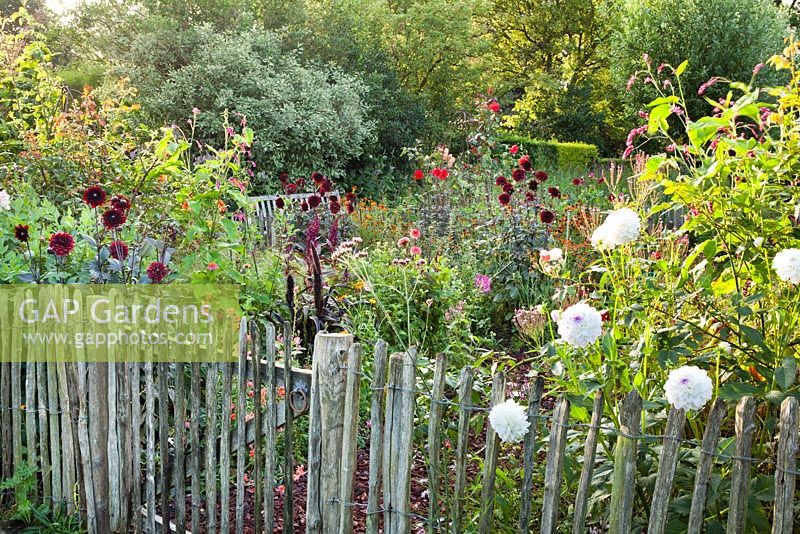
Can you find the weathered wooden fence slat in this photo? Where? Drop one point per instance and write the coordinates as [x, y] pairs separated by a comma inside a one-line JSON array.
[[288, 431], [241, 426], [228, 411], [150, 449], [269, 437], [554, 467], [622, 491], [435, 440], [589, 453], [180, 449], [212, 384], [740, 480], [30, 420], [258, 468], [349, 437], [136, 443], [705, 465], [376, 420], [666, 471], [490, 458], [194, 438], [785, 467], [44, 434], [529, 455], [462, 442], [165, 480], [397, 444]]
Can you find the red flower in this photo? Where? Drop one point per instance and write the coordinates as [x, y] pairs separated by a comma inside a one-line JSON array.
[[335, 207], [419, 175], [290, 188], [547, 216], [533, 185], [518, 175], [500, 180], [157, 271], [508, 188], [494, 106], [113, 219], [351, 197], [314, 201], [443, 174], [530, 197], [120, 202], [525, 163], [513, 149], [504, 199], [21, 233], [94, 196], [317, 177], [554, 192], [577, 181], [119, 250], [283, 178], [540, 176], [61, 243], [304, 205], [351, 207], [279, 203]]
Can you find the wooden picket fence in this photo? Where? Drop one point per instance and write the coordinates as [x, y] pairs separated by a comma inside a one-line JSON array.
[[171, 453]]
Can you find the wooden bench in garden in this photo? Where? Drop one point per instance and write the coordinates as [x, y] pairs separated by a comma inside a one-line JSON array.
[[265, 210]]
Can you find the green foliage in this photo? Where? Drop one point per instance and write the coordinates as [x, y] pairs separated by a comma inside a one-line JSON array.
[[699, 31], [554, 154]]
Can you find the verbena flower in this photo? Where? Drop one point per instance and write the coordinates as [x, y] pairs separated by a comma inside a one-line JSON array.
[[688, 388], [787, 265], [157, 271], [94, 196], [509, 421], [5, 200], [483, 283], [21, 233], [580, 325], [61, 243], [620, 227]]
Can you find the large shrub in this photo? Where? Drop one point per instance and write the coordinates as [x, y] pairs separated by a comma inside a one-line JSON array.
[[305, 117], [725, 38]]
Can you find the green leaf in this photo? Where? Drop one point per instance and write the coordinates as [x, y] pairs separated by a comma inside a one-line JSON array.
[[786, 374], [658, 118], [733, 391], [682, 67]]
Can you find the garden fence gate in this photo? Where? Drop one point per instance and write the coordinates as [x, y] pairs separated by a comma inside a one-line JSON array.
[[171, 452]]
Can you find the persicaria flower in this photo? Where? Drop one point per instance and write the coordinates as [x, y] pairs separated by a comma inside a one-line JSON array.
[[787, 265], [5, 200], [509, 421], [758, 68], [21, 233], [513, 149], [415, 250], [688, 388], [547, 216], [504, 199], [620, 227], [94, 196], [113, 219], [554, 192], [483, 283], [61, 243], [518, 175], [419, 175], [415, 233], [118, 250], [314, 201], [157, 271], [580, 325], [525, 162], [703, 88]]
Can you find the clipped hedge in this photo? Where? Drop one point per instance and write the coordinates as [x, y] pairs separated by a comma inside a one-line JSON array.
[[553, 154]]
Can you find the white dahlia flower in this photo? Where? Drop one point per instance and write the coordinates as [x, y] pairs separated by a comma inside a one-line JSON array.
[[510, 421], [5, 200], [580, 325], [787, 265], [688, 388], [620, 227]]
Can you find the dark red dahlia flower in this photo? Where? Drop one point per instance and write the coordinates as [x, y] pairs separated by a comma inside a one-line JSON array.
[[157, 271], [546, 216], [504, 199], [94, 196], [279, 203], [508, 188], [304, 205], [554, 192], [533, 185], [500, 180], [61, 243], [351, 197], [529, 196], [283, 178], [525, 163], [577, 181], [334, 206], [317, 177], [113, 219], [518, 175], [351, 208], [119, 250], [121, 203], [290, 188], [314, 201], [540, 176], [325, 186], [21, 233]]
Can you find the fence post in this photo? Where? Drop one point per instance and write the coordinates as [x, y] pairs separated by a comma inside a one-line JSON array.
[[435, 440], [589, 453], [490, 458], [349, 438], [740, 482], [785, 468], [554, 468], [666, 471], [624, 479], [462, 443], [326, 420], [529, 455], [705, 464], [376, 435], [397, 443]]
